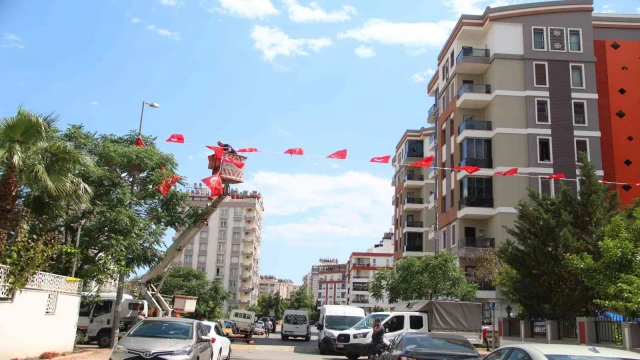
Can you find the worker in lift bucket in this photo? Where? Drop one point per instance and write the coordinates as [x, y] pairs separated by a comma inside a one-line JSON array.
[[228, 149]]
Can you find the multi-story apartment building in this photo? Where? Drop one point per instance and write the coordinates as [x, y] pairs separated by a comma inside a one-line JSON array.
[[617, 48], [515, 87], [228, 246], [269, 284], [332, 285], [313, 278], [414, 198], [360, 270]]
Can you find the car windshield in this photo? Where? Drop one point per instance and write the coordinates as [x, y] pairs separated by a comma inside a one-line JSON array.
[[340, 322], [208, 327], [367, 323], [163, 330], [582, 357], [295, 319], [429, 343]]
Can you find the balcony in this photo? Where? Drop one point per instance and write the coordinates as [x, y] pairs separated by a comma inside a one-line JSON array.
[[245, 289], [237, 216], [413, 226], [247, 263], [433, 114], [247, 239], [477, 125], [476, 208], [431, 203], [249, 217], [431, 173], [247, 252], [413, 181], [413, 204], [360, 301], [473, 61], [244, 301], [413, 248], [360, 278], [474, 96], [468, 246], [250, 228], [245, 276], [481, 163], [433, 140]]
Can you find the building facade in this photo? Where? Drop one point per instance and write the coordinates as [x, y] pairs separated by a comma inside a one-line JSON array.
[[414, 197], [271, 285], [361, 268], [332, 285], [617, 48], [312, 279], [515, 88], [228, 246]]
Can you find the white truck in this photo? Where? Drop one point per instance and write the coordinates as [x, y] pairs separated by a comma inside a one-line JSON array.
[[454, 317], [94, 318], [333, 320], [245, 322]]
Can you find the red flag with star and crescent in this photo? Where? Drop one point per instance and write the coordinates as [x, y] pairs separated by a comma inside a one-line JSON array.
[[214, 183]]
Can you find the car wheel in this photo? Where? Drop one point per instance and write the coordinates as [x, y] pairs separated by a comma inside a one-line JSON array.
[[104, 340], [307, 338]]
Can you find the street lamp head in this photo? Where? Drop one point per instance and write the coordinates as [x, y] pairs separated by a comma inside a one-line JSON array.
[[154, 105]]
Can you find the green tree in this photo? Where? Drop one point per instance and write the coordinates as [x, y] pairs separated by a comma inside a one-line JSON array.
[[536, 275], [254, 308], [271, 304], [434, 277], [191, 282], [377, 309], [301, 299], [615, 273]]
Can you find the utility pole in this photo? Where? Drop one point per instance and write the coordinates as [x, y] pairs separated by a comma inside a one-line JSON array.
[[115, 324]]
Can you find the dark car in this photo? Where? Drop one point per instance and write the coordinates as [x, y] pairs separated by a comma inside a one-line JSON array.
[[432, 346]]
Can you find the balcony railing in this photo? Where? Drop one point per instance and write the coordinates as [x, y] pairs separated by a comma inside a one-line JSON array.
[[433, 138], [474, 125], [482, 285], [472, 53], [432, 109], [361, 264], [413, 177], [415, 154], [360, 301], [414, 248], [414, 201], [485, 202], [543, 117], [474, 88], [360, 288], [579, 119], [477, 243], [431, 171], [481, 163], [415, 224], [360, 276]]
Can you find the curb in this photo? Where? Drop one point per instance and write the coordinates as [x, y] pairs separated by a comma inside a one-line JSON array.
[[82, 355]]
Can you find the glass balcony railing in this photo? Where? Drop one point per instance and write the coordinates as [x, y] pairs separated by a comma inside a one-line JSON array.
[[413, 248], [414, 177], [474, 88], [414, 201], [477, 243], [472, 53], [484, 202], [414, 224], [474, 125], [432, 138]]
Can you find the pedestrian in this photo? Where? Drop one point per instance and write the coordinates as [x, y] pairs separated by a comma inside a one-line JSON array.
[[377, 339], [484, 335], [267, 328], [141, 316]]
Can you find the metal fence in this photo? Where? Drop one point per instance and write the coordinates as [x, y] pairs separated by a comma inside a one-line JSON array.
[[538, 327], [567, 329], [608, 330]]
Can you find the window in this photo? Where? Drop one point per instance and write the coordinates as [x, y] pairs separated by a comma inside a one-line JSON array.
[[395, 324], [544, 150], [538, 39], [476, 152], [221, 247], [235, 247], [236, 236], [234, 259], [102, 308], [203, 246], [223, 224], [542, 111], [476, 191], [443, 241], [414, 148], [222, 235], [220, 260], [545, 186], [374, 261], [579, 112], [540, 74], [219, 272], [575, 40], [237, 224], [202, 259], [204, 235], [237, 211], [582, 146], [453, 235], [234, 271], [188, 258], [189, 247], [232, 283], [416, 322], [201, 269], [224, 212], [577, 76], [451, 58]]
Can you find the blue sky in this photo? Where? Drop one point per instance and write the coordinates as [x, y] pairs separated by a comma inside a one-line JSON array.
[[271, 74]]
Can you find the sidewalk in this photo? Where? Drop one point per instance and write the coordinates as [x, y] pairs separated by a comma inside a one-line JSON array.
[[89, 354]]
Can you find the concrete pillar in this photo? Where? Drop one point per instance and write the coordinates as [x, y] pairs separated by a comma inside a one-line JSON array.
[[501, 324], [552, 330], [586, 330], [631, 335], [525, 329]]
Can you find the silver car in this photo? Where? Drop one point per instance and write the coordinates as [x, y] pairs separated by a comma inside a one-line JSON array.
[[165, 338]]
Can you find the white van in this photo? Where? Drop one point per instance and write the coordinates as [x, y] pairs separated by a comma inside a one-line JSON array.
[[333, 320], [295, 324], [245, 322]]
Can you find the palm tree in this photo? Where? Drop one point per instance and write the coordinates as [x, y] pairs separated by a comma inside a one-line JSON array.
[[36, 165]]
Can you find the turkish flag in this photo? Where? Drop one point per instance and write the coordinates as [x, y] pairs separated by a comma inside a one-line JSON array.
[[294, 151], [426, 162], [555, 176], [511, 171], [176, 138], [381, 159], [469, 169], [249, 149], [174, 179], [139, 142], [217, 149], [164, 188], [214, 183], [238, 164], [340, 155]]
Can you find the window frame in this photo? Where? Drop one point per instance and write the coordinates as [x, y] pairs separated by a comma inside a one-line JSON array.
[[569, 40], [546, 73], [550, 149], [573, 113], [584, 81], [551, 184], [575, 148], [566, 46], [533, 38], [535, 107]]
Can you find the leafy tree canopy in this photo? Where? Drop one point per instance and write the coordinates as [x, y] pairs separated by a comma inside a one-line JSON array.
[[434, 277], [302, 299]]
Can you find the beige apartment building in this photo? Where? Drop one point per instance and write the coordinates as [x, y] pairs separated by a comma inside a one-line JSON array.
[[228, 246], [271, 285], [515, 88], [414, 216]]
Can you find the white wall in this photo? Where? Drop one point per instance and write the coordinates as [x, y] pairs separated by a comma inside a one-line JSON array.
[[505, 38], [26, 331]]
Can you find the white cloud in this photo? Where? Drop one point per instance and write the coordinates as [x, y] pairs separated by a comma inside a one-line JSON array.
[[423, 34], [176, 3], [364, 51], [314, 13], [283, 132], [11, 37], [94, 103], [309, 209], [607, 9], [19, 46], [477, 7], [252, 9], [164, 32], [274, 42], [135, 20], [420, 77]]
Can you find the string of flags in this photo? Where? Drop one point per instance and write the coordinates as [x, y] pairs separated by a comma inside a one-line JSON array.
[[214, 182]]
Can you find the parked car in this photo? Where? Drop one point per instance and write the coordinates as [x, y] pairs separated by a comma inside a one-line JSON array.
[[221, 345], [295, 324], [259, 330], [534, 351], [165, 337], [432, 346]]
